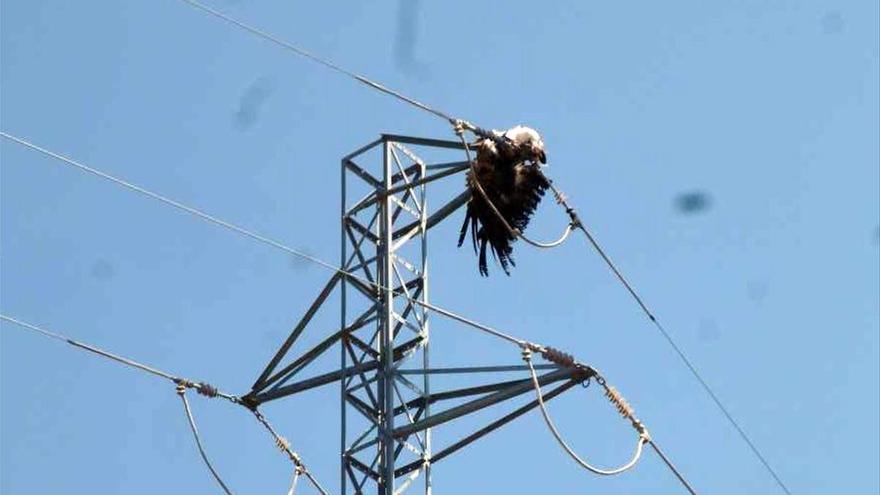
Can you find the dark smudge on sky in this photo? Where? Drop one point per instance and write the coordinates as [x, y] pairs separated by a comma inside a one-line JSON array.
[[757, 291], [102, 269], [692, 202], [251, 103], [832, 22], [407, 37]]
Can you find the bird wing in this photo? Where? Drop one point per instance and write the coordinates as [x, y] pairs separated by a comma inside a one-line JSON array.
[[529, 186], [515, 189]]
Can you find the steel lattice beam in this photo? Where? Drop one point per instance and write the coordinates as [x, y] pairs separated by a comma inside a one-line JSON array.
[[383, 336]]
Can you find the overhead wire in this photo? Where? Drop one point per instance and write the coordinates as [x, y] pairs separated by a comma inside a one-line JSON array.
[[119, 359], [560, 198], [280, 441], [326, 63], [182, 384], [283, 444], [578, 223], [589, 373], [181, 391], [458, 123], [479, 131], [293, 481], [678, 474], [643, 434], [249, 233], [523, 344], [454, 121], [166, 200]]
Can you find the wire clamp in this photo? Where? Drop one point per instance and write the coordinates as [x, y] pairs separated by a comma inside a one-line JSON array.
[[460, 126], [643, 431], [527, 352]]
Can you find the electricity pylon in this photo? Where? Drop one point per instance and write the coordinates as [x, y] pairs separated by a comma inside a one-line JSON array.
[[388, 410]]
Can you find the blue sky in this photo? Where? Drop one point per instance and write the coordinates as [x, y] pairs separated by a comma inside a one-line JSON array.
[[768, 109]]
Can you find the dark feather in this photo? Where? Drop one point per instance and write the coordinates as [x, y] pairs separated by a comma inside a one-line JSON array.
[[516, 189]]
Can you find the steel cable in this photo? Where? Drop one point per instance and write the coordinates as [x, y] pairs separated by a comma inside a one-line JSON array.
[[296, 475], [258, 237], [181, 391], [643, 436], [248, 233], [182, 384], [469, 126], [326, 63]]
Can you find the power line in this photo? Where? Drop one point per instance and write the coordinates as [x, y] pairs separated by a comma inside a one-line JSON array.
[[265, 240], [248, 233], [571, 211], [90, 348], [672, 467], [642, 440], [723, 409], [278, 245], [182, 384], [166, 200], [203, 388], [326, 63], [208, 390], [577, 223], [666, 335], [200, 387], [181, 391]]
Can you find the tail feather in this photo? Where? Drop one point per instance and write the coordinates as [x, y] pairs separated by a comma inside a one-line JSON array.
[[464, 226], [503, 250], [484, 267], [475, 231]]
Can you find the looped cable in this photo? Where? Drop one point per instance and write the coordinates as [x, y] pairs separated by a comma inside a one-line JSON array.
[[548, 245], [643, 438], [459, 127], [181, 391]]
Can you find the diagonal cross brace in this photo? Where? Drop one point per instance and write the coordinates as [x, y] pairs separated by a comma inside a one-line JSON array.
[[514, 390]]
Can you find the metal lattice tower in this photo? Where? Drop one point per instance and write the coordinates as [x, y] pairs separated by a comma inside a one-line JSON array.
[[388, 411], [398, 252]]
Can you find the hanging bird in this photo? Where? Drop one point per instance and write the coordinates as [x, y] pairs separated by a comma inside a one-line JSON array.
[[508, 169]]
